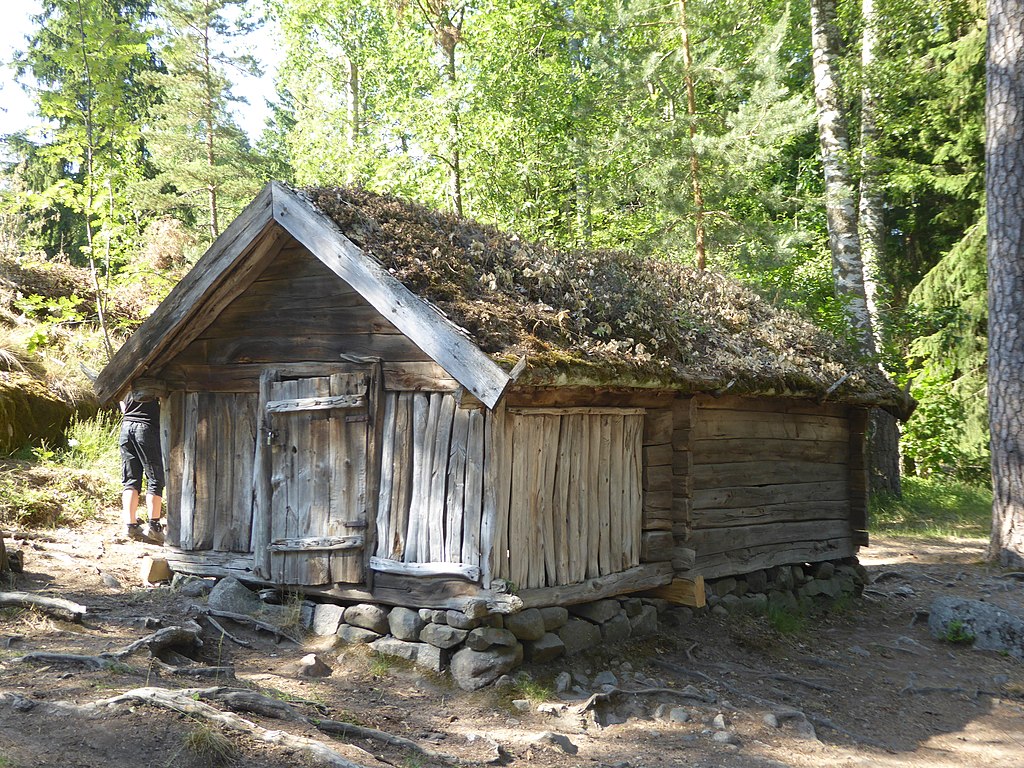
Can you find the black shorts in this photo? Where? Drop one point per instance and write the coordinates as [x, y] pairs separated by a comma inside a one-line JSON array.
[[141, 455]]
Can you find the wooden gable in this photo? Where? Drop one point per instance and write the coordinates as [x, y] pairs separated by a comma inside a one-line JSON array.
[[245, 250]]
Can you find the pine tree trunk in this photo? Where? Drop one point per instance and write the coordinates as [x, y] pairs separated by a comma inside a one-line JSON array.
[[1004, 162], [691, 112], [840, 205], [884, 448]]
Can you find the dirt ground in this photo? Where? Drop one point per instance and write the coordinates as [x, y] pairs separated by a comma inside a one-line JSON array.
[[870, 686]]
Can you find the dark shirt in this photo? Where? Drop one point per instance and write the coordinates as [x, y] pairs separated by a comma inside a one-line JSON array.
[[141, 412]]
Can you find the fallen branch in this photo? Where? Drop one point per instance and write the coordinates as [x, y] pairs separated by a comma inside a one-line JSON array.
[[241, 618], [45, 657], [338, 728], [224, 633], [53, 606], [182, 701], [799, 681]]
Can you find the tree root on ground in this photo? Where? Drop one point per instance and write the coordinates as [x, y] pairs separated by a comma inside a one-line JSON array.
[[52, 606]]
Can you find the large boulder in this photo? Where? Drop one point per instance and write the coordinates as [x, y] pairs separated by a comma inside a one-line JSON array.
[[233, 596], [474, 669], [368, 616], [405, 623], [982, 625], [31, 413], [526, 625]]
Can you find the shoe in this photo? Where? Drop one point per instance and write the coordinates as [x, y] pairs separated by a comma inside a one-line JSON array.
[[154, 532], [135, 532]]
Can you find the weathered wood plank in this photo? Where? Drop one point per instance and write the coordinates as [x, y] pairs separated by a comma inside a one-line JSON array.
[[262, 470], [241, 415], [497, 479], [387, 478], [859, 482], [317, 544], [473, 502], [656, 546], [636, 516], [684, 411], [317, 403], [604, 497], [658, 455], [708, 541], [439, 338], [560, 513], [420, 473], [455, 504], [787, 512], [323, 456], [537, 526], [749, 559], [658, 426], [765, 473], [727, 424], [575, 411], [222, 460], [519, 502], [770, 405], [746, 496], [172, 417], [658, 478], [294, 349], [591, 485], [577, 513], [205, 473], [616, 493], [352, 450], [645, 576], [403, 475], [439, 478], [552, 529], [681, 592], [528, 396], [725, 450], [470, 572], [268, 320]]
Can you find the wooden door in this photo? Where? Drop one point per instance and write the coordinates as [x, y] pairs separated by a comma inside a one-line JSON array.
[[320, 443]]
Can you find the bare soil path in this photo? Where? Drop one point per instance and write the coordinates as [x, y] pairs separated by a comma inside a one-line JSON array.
[[863, 685]]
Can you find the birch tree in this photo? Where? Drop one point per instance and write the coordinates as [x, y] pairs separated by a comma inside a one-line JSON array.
[[1005, 195]]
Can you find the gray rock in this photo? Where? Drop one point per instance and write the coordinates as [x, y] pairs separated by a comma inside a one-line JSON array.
[[476, 609], [725, 737], [356, 635], [439, 617], [442, 636], [312, 665], [597, 612], [522, 705], [723, 587], [757, 581], [556, 741], [731, 603], [754, 602], [562, 681], [327, 618], [856, 650], [659, 604], [741, 588], [783, 601], [368, 616], [550, 646], [618, 627], [554, 617], [579, 635], [233, 596], [992, 628], [718, 722], [307, 609], [606, 678], [422, 655], [770, 720], [426, 614], [526, 625], [192, 586], [783, 577], [472, 669], [799, 577], [645, 623], [678, 715], [720, 610], [459, 620], [482, 638], [824, 570], [405, 623], [632, 606]]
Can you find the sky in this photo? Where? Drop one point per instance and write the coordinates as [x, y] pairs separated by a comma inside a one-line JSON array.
[[16, 106]]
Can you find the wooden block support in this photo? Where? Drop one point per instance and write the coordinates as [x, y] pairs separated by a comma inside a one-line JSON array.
[[658, 426], [154, 570], [682, 592]]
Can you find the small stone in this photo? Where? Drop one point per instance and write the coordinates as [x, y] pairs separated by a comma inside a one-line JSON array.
[[720, 610], [439, 617], [824, 570], [356, 635], [327, 618], [522, 705], [723, 587], [605, 678], [472, 669], [562, 682], [679, 715], [526, 625], [556, 741], [426, 614], [725, 737], [659, 604], [312, 665], [504, 682], [632, 606], [598, 612], [442, 636], [803, 729], [549, 647], [856, 650], [579, 635], [625, 668], [192, 586], [719, 722], [618, 627], [770, 720], [482, 638], [644, 623], [757, 581], [581, 679]]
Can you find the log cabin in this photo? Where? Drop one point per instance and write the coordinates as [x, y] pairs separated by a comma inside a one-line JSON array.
[[366, 400]]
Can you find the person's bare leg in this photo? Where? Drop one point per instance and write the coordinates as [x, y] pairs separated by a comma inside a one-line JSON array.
[[154, 506], [129, 505]]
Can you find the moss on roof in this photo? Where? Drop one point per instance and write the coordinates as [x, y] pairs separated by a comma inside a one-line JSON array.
[[600, 316]]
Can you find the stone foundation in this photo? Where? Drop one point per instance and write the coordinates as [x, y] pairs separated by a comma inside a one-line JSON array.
[[477, 651]]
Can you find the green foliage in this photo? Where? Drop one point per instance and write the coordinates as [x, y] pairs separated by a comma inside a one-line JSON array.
[[535, 691], [934, 507], [958, 634], [47, 314]]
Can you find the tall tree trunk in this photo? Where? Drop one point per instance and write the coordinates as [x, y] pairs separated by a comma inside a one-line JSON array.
[[840, 206], [454, 131], [691, 112], [1004, 183], [884, 450], [353, 102], [208, 116]]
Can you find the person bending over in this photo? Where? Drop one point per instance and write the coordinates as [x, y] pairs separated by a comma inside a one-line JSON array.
[[141, 455]]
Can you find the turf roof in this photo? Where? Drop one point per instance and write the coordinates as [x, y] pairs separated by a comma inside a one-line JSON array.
[[601, 317]]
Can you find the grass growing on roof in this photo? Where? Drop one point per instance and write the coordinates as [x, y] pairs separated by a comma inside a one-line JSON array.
[[934, 508]]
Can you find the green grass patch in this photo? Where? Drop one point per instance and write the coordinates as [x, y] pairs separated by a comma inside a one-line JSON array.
[[934, 508]]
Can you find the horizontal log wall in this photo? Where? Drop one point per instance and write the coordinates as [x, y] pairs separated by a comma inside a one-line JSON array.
[[768, 484]]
